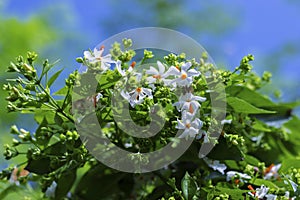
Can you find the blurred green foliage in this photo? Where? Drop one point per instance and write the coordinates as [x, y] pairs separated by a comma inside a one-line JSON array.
[[17, 37]]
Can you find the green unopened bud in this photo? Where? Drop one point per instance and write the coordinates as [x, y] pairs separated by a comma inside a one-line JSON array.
[[14, 130], [79, 60], [127, 42], [148, 54], [31, 56]]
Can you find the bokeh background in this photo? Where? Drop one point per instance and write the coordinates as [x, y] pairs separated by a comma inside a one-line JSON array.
[[228, 30]]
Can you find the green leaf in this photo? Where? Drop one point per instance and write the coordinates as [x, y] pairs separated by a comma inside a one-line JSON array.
[[241, 106], [39, 166], [65, 183], [259, 182], [57, 149], [236, 194], [260, 126], [61, 92], [288, 164], [188, 186], [223, 152], [251, 96], [40, 115], [107, 184], [53, 78]]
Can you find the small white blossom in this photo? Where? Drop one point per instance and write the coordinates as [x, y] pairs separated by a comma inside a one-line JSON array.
[[259, 192], [121, 71], [287, 195], [226, 121], [96, 57], [137, 95], [189, 124], [240, 176], [215, 165], [184, 74], [272, 172], [271, 196], [50, 192], [158, 75], [189, 102]]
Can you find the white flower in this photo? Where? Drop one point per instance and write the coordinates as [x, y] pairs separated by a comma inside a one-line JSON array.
[[50, 192], [121, 71], [96, 56], [184, 74], [291, 183], [226, 121], [271, 196], [137, 95], [272, 172], [234, 174], [158, 75], [215, 165], [259, 192], [287, 195], [190, 125], [189, 102]]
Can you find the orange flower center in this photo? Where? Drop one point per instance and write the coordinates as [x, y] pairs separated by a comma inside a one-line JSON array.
[[269, 168], [139, 90], [157, 76], [188, 125], [183, 76]]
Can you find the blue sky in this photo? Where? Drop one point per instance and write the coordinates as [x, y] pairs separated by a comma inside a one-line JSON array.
[[263, 28]]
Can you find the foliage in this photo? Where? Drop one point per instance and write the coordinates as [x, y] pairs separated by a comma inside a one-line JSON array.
[[257, 133], [16, 38]]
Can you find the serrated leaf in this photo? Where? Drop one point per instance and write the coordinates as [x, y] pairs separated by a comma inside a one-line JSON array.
[[241, 106], [188, 186], [53, 78]]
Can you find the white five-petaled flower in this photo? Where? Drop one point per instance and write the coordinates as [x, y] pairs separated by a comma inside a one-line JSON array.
[[272, 172], [184, 74], [189, 124], [137, 95], [259, 192], [96, 57], [158, 75], [123, 71], [189, 102], [234, 174], [215, 165]]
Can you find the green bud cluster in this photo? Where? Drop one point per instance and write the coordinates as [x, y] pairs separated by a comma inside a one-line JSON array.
[[233, 139], [222, 197]]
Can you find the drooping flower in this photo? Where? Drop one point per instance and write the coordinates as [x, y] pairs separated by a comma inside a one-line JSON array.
[[189, 124], [215, 165], [158, 75], [184, 75], [137, 95], [189, 102], [96, 57], [272, 172]]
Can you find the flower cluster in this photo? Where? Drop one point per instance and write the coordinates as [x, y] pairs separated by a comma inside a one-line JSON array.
[[174, 77]]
